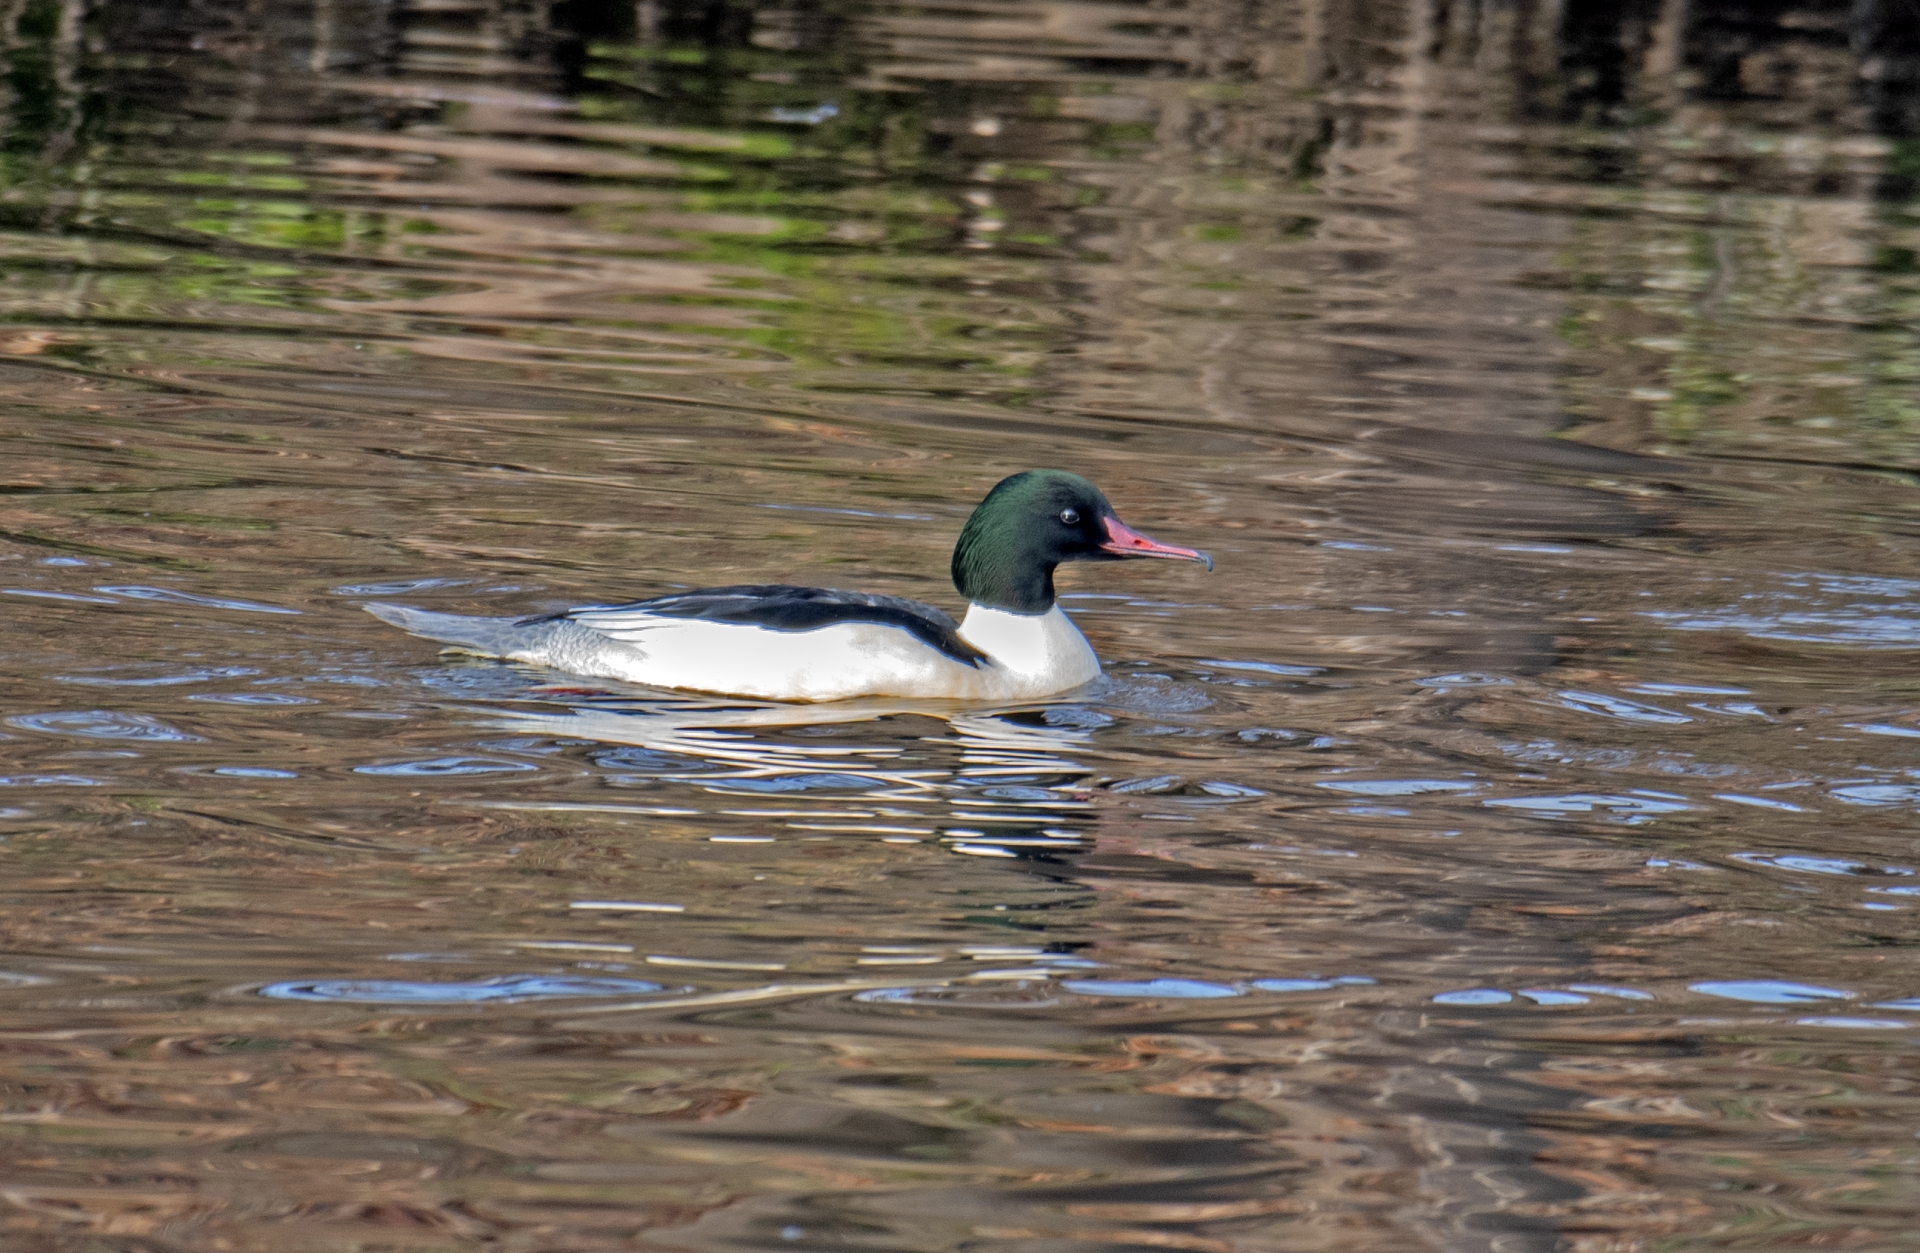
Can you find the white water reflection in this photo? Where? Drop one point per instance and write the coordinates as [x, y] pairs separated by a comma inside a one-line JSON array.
[[1856, 610], [732, 747]]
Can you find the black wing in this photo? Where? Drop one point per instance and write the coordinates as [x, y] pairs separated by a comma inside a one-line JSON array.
[[777, 607]]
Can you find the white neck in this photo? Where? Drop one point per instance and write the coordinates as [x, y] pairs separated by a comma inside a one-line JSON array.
[[1043, 647]]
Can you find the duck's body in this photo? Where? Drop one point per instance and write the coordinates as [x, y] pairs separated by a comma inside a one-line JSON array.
[[776, 642], [1015, 656]]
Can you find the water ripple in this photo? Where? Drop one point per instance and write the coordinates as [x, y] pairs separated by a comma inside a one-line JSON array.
[[163, 680], [1311, 985], [171, 596], [1397, 787], [1619, 707], [1769, 991], [1465, 678], [66, 596], [1879, 794], [1816, 865], [1266, 667], [1607, 989], [104, 724], [1820, 609], [1687, 689], [496, 990], [397, 589], [1184, 989], [1855, 1024], [974, 996], [1758, 802], [1587, 802], [440, 767], [777, 784]]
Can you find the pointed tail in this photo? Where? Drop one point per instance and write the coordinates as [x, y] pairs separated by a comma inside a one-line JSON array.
[[490, 637]]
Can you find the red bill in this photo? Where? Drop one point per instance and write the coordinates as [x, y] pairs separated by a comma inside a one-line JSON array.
[[1124, 541]]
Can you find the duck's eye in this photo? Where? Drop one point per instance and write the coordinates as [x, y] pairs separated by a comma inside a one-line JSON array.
[[1070, 516]]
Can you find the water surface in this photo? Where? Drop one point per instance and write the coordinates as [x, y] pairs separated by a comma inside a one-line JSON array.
[[1512, 846]]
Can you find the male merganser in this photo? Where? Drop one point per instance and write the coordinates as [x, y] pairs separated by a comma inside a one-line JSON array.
[[815, 644]]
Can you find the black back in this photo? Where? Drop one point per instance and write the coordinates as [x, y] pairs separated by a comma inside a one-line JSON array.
[[778, 607]]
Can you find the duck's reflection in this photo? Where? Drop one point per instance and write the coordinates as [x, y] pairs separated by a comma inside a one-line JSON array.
[[985, 782]]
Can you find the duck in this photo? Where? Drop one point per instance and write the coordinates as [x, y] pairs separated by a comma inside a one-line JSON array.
[[777, 642]]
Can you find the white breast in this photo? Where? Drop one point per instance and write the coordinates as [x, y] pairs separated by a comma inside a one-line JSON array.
[[1033, 654]]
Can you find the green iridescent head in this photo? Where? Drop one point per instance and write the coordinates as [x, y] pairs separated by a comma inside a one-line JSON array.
[[1030, 523]]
